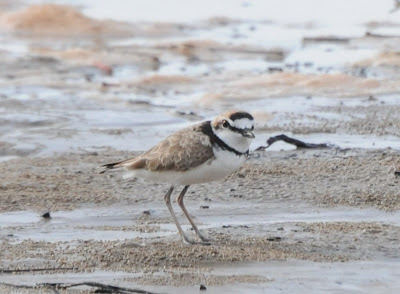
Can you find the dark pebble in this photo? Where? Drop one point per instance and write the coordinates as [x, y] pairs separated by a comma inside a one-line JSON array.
[[46, 215]]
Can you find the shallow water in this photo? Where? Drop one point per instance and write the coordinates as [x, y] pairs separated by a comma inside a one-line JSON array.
[[55, 97], [88, 223], [286, 276], [317, 72], [295, 276], [257, 10]]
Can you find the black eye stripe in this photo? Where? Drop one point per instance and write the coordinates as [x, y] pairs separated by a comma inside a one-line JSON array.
[[206, 129], [226, 125], [237, 130]]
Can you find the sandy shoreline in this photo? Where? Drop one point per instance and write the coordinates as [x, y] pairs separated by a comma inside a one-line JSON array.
[[78, 91], [319, 206]]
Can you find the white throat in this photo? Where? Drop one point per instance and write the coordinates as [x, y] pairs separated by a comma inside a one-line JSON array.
[[234, 140]]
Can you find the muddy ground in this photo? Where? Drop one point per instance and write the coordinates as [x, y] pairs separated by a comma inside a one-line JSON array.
[[78, 91], [325, 206]]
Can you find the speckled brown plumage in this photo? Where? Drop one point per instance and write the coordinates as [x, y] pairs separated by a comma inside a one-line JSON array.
[[198, 154], [175, 152]]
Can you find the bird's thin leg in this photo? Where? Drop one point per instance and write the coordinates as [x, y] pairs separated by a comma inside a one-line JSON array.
[[167, 199], [182, 205]]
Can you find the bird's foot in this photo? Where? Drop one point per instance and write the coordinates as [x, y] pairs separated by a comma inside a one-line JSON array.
[[203, 239], [187, 241]]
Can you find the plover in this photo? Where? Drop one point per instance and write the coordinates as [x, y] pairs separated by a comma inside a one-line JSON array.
[[201, 153]]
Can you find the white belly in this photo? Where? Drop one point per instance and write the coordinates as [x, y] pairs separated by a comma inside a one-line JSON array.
[[224, 164]]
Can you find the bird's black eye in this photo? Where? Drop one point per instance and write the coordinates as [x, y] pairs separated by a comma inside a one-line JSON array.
[[252, 128], [225, 124]]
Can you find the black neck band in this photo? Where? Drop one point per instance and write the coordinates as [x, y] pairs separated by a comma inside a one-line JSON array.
[[207, 129]]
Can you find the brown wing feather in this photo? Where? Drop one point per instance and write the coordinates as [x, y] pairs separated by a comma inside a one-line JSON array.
[[181, 151], [135, 162]]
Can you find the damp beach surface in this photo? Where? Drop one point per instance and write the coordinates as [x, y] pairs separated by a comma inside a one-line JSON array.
[[83, 84]]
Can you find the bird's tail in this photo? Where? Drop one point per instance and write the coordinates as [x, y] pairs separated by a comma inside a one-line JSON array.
[[110, 166]]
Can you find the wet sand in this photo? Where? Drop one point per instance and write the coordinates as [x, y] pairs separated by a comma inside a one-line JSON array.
[[77, 92], [330, 208]]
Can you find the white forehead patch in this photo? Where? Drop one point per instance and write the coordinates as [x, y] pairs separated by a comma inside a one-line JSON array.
[[243, 123]]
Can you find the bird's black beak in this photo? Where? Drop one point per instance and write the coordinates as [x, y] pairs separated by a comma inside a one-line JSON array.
[[248, 134]]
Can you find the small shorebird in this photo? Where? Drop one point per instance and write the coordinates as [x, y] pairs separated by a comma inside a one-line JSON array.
[[201, 153]]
